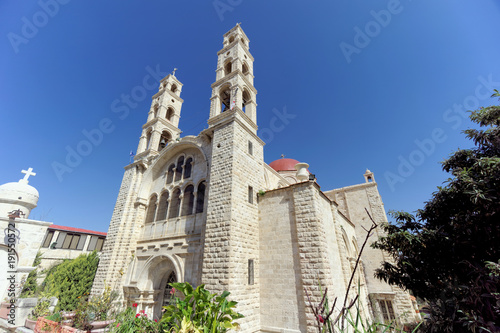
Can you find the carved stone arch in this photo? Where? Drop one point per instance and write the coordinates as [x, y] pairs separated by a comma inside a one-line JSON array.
[[159, 167], [151, 210], [156, 107], [188, 166], [201, 193], [163, 204], [149, 133], [228, 66], [175, 203], [170, 113], [346, 243]]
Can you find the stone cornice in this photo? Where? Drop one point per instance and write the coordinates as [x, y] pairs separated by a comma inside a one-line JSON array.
[[230, 76]]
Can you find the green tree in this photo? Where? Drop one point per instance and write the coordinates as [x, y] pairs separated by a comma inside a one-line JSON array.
[[30, 287], [71, 280], [447, 253]]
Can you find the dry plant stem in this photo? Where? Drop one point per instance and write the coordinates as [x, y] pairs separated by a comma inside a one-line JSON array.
[[321, 307]]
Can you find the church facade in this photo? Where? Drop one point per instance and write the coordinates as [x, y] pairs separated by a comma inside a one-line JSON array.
[[207, 209]]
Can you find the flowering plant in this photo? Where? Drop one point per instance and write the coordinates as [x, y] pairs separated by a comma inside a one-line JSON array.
[[129, 321]]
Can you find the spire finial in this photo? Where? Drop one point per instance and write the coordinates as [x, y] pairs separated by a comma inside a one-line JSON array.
[[173, 72], [282, 155], [27, 173]]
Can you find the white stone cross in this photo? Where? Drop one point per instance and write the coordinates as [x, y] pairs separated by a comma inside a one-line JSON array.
[[27, 174]]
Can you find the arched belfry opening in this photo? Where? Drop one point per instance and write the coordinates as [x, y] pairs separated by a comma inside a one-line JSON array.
[[246, 98], [228, 67], [244, 69], [173, 88], [170, 114], [165, 138], [231, 39], [225, 98]]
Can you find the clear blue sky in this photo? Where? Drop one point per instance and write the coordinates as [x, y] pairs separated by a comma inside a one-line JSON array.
[[370, 83]]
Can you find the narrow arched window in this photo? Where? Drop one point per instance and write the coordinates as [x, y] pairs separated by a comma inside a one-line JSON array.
[[200, 198], [150, 215], [173, 88], [170, 174], [231, 39], [228, 67], [188, 167], [162, 207], [155, 112], [148, 138], [168, 297], [225, 96], [178, 169], [175, 203], [245, 69], [170, 114], [246, 99], [188, 201]]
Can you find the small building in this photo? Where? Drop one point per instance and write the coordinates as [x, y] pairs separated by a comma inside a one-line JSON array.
[[61, 242]]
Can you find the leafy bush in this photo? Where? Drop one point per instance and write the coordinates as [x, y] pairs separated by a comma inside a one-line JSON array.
[[200, 311], [30, 287], [130, 322], [72, 279]]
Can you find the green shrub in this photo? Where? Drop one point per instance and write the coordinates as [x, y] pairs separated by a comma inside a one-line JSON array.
[[71, 280]]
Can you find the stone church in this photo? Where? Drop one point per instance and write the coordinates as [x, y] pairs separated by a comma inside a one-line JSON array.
[[207, 209]]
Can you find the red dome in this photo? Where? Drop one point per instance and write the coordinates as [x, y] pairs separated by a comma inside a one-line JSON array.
[[284, 164]]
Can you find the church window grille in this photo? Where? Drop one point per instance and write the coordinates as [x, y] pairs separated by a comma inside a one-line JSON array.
[[188, 201], [387, 310], [250, 147], [163, 207], [200, 198], [168, 297], [175, 204], [178, 170], [170, 174], [187, 168], [250, 194], [250, 272], [150, 215], [48, 238]]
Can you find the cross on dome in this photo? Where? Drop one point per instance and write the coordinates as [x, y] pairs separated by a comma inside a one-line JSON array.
[[27, 174]]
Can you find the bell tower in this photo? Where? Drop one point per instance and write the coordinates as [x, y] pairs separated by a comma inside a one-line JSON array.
[[233, 87], [162, 125], [231, 246]]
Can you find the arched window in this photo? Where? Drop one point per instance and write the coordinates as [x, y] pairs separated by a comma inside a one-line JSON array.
[[162, 207], [178, 170], [168, 298], [170, 114], [175, 203], [245, 69], [246, 99], [200, 197], [165, 138], [228, 67], [155, 111], [150, 215], [170, 174], [231, 39], [173, 88], [148, 138], [187, 168], [188, 201], [225, 95]]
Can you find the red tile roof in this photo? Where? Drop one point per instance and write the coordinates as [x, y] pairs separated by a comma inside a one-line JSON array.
[[83, 231], [284, 164]]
